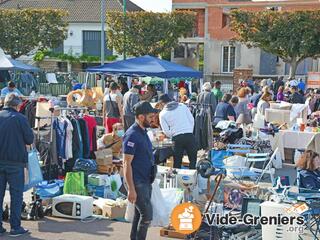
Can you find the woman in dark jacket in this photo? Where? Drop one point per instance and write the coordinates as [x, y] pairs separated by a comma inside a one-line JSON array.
[[309, 171], [224, 110]]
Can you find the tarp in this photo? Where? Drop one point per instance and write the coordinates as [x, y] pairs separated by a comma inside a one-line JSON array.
[[147, 66], [11, 64]]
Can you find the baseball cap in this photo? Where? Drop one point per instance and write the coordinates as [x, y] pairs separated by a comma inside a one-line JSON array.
[[144, 107], [164, 98]]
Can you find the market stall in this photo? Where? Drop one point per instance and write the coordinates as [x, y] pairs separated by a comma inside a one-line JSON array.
[[148, 66]]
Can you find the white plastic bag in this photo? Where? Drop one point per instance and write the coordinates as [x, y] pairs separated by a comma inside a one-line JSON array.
[[160, 212], [233, 162], [129, 212]]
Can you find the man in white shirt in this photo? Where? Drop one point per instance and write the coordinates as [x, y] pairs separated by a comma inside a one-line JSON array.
[[177, 123]]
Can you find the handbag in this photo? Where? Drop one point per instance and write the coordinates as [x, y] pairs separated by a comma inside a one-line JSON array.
[[115, 110], [33, 174]]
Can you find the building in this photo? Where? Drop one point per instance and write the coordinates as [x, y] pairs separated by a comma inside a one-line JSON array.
[[211, 37], [84, 31]]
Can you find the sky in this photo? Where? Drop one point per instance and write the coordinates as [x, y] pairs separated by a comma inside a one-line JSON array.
[[154, 5]]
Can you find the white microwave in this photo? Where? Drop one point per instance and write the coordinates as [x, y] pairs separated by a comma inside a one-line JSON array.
[[72, 206]]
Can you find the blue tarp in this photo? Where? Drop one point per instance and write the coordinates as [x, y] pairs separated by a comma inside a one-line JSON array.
[[17, 65], [147, 66]]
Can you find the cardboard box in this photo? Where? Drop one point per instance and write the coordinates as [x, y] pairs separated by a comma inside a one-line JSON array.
[[114, 212], [104, 156]]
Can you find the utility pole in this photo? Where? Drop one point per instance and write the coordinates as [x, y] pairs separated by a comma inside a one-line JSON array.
[[103, 20], [124, 30]]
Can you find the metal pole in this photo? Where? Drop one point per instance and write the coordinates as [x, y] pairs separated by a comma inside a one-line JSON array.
[[103, 39], [103, 19], [124, 30]]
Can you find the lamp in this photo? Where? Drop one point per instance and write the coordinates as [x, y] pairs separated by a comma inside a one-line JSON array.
[[71, 33]]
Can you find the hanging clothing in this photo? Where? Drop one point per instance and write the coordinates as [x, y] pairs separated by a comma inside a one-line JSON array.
[[85, 137], [203, 128], [69, 139], [92, 124], [60, 126], [77, 144]]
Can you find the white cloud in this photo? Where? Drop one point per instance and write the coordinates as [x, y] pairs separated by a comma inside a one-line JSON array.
[[154, 5]]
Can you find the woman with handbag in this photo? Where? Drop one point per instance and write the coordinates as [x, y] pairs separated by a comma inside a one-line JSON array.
[[112, 108]]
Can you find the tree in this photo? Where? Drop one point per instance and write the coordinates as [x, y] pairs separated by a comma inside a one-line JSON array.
[[147, 32], [25, 30], [293, 36]]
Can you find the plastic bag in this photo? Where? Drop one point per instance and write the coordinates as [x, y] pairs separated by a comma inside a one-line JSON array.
[[217, 157], [50, 190], [33, 175], [74, 184], [88, 166], [160, 212]]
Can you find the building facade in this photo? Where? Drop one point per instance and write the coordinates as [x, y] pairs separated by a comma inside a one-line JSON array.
[[212, 38]]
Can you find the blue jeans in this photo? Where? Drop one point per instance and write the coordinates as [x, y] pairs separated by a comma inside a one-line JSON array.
[[14, 176], [143, 212]]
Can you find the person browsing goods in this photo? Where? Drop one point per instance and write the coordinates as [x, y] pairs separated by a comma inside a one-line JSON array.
[[11, 88], [112, 140], [177, 123], [139, 169], [15, 134]]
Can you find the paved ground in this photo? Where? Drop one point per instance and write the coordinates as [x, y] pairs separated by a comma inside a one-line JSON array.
[[64, 229]]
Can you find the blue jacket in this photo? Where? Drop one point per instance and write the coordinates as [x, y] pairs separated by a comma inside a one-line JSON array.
[[15, 134]]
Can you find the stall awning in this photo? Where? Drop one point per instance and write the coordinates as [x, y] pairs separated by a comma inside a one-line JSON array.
[[11, 64], [147, 66]]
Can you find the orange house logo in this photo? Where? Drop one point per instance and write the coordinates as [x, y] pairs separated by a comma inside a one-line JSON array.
[[186, 218]]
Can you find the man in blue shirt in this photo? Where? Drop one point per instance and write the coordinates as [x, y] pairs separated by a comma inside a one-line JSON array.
[[76, 85], [11, 88], [15, 134], [138, 164]]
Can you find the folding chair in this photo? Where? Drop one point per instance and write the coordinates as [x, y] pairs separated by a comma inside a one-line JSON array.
[[255, 173], [239, 149]]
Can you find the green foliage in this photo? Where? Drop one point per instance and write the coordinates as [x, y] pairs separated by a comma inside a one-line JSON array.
[[40, 55], [27, 29], [147, 32], [293, 36]]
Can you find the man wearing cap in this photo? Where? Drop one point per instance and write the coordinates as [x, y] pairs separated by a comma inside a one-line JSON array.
[[15, 134], [76, 85], [130, 99], [11, 88], [138, 169], [177, 123]]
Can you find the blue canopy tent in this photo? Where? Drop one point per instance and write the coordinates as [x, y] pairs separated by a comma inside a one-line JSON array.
[[17, 65], [147, 66]]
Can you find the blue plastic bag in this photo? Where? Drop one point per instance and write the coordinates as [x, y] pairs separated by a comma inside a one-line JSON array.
[[217, 157], [47, 189], [34, 173]]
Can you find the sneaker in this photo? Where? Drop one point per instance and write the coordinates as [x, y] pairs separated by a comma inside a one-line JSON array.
[[2, 231], [18, 232]]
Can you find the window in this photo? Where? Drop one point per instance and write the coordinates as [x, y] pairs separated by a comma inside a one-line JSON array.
[[228, 58], [179, 51], [92, 44], [58, 49]]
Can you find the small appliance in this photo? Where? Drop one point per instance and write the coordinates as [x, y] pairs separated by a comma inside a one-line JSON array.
[[72, 206]]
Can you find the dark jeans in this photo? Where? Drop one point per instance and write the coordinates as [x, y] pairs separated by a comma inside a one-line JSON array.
[[128, 121], [14, 176], [143, 212], [185, 142]]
